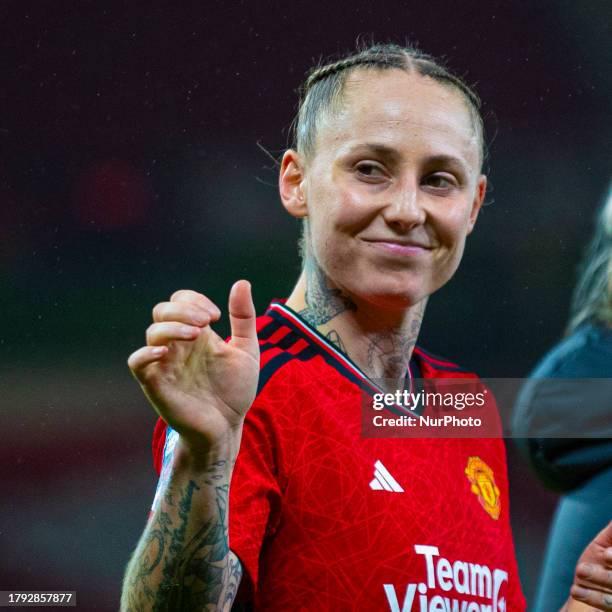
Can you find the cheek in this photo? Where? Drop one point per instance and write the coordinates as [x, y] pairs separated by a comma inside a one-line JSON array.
[[452, 227], [336, 214]]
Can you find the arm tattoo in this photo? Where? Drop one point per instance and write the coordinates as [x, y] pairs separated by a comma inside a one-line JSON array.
[[198, 572], [323, 303]]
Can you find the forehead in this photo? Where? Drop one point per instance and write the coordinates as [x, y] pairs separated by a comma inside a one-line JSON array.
[[406, 111]]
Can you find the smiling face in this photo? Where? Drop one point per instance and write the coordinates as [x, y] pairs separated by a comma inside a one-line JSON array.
[[393, 188]]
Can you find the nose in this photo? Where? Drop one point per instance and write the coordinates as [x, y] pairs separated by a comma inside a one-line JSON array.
[[405, 209]]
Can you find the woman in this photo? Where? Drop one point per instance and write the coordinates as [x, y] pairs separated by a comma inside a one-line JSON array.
[[386, 174], [558, 403]]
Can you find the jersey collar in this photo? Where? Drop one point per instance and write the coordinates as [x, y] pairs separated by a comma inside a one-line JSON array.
[[279, 308]]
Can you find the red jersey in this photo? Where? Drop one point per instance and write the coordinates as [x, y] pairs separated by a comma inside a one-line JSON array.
[[323, 518]]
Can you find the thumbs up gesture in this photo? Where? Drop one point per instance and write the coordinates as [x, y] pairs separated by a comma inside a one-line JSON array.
[[199, 384]]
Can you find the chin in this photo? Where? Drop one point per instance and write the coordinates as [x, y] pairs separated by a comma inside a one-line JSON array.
[[393, 297]]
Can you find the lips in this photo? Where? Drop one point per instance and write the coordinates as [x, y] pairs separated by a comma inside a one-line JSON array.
[[399, 247]]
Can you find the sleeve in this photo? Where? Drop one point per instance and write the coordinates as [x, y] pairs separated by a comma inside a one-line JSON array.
[[260, 477], [255, 499], [164, 439], [158, 443]]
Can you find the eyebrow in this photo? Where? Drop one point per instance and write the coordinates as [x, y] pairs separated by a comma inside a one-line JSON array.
[[392, 153], [380, 149], [450, 160]]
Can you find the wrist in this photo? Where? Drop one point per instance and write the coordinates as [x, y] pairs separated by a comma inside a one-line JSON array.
[[199, 454]]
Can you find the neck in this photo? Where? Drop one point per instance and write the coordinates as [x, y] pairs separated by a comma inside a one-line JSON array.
[[379, 341]]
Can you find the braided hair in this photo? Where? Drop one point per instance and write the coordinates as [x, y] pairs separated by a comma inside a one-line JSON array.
[[324, 85]]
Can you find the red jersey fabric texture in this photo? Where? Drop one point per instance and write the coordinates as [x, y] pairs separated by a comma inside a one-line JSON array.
[[325, 519]]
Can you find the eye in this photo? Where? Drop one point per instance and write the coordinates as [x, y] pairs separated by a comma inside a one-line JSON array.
[[370, 170], [441, 181]]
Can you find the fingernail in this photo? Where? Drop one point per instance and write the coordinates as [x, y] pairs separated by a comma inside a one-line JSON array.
[[608, 554], [158, 350], [579, 592], [188, 332]]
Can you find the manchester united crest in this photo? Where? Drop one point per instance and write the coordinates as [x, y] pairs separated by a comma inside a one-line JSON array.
[[482, 481]]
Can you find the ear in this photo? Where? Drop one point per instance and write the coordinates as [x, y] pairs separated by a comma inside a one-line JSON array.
[[291, 184], [479, 196]]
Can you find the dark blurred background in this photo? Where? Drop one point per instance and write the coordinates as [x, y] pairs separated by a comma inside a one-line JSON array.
[[133, 164]]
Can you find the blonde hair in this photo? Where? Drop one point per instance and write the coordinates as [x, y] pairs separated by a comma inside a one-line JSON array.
[[323, 88], [592, 299]]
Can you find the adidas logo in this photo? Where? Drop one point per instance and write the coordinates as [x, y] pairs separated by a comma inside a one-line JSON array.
[[383, 480]]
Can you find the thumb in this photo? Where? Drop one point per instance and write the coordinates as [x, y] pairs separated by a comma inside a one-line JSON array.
[[604, 537], [242, 311]]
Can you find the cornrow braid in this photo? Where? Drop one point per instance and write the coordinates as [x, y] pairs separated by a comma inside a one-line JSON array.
[[324, 85], [318, 74]]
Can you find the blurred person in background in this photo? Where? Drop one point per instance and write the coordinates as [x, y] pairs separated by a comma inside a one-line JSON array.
[[557, 403], [386, 172]]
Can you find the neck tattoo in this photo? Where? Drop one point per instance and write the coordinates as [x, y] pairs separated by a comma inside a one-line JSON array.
[[323, 302]]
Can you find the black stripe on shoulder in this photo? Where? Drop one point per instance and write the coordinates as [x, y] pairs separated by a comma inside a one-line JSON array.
[[270, 368], [329, 359], [276, 363], [267, 330], [284, 343]]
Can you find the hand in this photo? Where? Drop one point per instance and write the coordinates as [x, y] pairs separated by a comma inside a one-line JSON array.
[[592, 588], [199, 384]]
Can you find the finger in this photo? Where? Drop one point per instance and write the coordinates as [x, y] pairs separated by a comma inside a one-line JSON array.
[[591, 575], [604, 537], [183, 312], [242, 311], [187, 295], [592, 597], [162, 333], [144, 356]]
